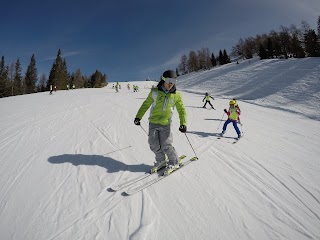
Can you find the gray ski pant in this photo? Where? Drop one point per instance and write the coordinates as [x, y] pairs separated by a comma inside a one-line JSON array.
[[160, 141]]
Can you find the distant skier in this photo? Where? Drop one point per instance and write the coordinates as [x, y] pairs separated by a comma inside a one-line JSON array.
[[207, 98], [51, 89], [233, 115], [163, 100], [128, 86], [135, 88]]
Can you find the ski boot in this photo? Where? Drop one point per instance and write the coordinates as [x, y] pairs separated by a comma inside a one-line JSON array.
[[221, 134], [158, 165], [170, 168]]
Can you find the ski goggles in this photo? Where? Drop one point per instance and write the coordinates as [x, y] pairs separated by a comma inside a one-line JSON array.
[[169, 80]]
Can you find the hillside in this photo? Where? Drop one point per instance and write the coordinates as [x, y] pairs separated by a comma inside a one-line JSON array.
[[61, 154]]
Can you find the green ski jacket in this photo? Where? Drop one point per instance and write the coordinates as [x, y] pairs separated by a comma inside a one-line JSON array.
[[162, 106]]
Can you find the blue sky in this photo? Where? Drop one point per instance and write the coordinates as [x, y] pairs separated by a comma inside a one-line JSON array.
[[137, 39]]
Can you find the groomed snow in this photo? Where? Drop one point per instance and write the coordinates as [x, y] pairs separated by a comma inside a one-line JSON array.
[[60, 155]]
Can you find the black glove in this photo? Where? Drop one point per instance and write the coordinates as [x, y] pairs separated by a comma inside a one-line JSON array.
[[225, 110], [137, 121], [183, 128]]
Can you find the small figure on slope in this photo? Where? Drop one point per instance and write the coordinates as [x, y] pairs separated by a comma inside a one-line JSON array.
[[207, 98], [163, 99], [233, 117]]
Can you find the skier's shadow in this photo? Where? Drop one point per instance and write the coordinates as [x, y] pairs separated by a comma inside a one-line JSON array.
[[193, 107], [213, 119], [108, 163], [205, 134]]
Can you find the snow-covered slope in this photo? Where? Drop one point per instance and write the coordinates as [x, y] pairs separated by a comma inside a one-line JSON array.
[[60, 155], [292, 85]]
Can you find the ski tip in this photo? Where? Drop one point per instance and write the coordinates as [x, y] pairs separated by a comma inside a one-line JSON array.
[[194, 158]]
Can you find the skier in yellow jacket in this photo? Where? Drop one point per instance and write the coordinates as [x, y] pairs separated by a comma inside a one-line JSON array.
[[207, 98], [233, 117]]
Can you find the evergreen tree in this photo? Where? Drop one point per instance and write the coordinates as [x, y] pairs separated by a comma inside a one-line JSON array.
[[17, 81], [97, 79], [312, 46], [177, 72], [297, 49], [262, 52], [220, 58], [86, 83], [226, 58], [65, 75], [3, 79], [270, 52], [213, 60], [58, 74], [31, 76]]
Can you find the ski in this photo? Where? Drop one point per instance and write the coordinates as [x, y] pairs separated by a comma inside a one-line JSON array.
[[138, 188], [130, 182], [236, 139]]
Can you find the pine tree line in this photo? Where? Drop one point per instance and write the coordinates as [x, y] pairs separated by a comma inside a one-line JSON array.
[[203, 59], [287, 42], [12, 82]]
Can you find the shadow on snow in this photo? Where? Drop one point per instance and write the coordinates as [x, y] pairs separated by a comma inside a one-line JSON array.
[[110, 164]]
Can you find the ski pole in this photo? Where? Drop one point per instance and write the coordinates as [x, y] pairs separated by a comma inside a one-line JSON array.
[[143, 129], [191, 145], [220, 120]]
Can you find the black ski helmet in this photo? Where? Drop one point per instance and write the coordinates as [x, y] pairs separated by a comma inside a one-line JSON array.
[[169, 74], [207, 94]]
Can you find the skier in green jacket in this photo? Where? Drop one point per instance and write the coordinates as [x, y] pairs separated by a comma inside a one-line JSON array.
[[163, 99]]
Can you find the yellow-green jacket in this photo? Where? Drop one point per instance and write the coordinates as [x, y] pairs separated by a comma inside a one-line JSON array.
[[162, 106]]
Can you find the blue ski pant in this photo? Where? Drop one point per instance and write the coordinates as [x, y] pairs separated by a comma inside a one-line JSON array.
[[160, 141], [235, 125]]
